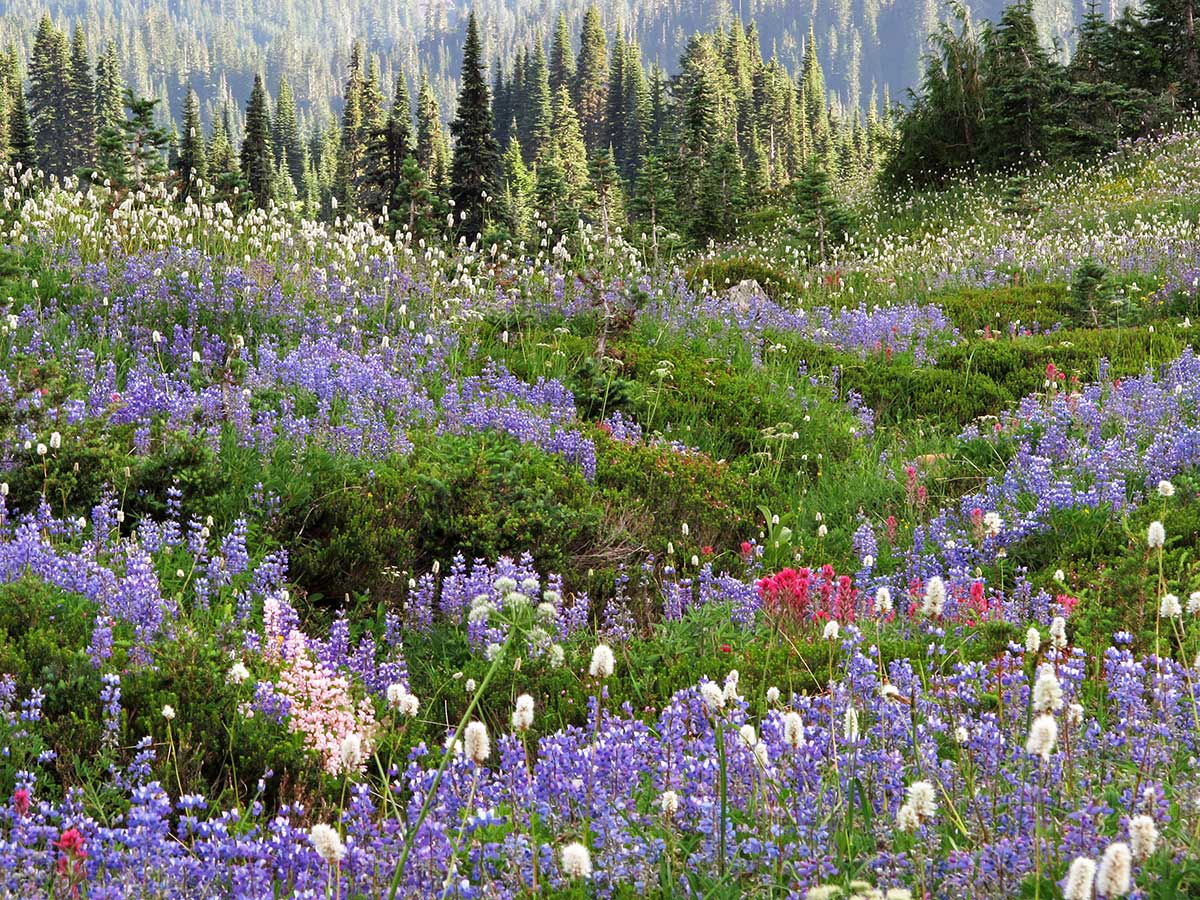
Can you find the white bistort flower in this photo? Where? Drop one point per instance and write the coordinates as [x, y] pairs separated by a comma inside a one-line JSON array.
[[603, 662], [1043, 734], [1169, 607], [922, 799], [907, 819], [772, 695], [883, 600], [327, 842], [793, 729], [668, 802], [1193, 604], [1166, 489], [238, 673], [1033, 640], [576, 861], [1143, 837], [1058, 633], [831, 630], [713, 696], [522, 717], [1114, 877], [351, 752], [935, 597], [1080, 879], [1156, 536], [850, 724], [1047, 691], [477, 743]]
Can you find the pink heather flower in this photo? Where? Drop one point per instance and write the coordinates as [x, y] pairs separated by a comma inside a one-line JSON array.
[[323, 710]]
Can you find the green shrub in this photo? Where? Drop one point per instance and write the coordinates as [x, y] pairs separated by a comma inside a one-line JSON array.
[[778, 284]]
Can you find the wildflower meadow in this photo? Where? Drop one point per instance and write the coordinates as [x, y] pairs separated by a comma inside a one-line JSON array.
[[344, 563]]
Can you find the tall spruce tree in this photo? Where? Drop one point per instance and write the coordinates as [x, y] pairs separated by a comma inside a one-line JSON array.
[[256, 156], [539, 112], [132, 156], [22, 150], [474, 167], [390, 147], [351, 161]]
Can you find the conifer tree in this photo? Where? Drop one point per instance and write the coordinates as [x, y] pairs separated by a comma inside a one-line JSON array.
[[562, 59], [822, 221], [256, 153], [22, 150], [591, 81], [132, 156], [352, 150], [411, 207], [540, 105], [110, 89], [287, 148], [80, 153], [473, 169], [49, 98], [616, 107], [222, 162], [429, 133], [637, 113], [653, 202], [192, 165], [606, 188], [389, 148], [516, 191]]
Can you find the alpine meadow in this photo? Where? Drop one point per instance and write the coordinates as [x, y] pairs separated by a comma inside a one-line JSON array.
[[657, 449]]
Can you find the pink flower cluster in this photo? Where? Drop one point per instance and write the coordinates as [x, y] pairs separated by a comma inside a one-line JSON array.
[[323, 710]]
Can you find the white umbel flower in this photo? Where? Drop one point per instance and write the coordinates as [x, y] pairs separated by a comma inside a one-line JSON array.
[[576, 861], [1166, 489], [1156, 536], [328, 843], [602, 662], [992, 523], [1143, 837], [1080, 879], [831, 630], [477, 744], [238, 673], [1043, 734], [1114, 877], [907, 819], [793, 729], [935, 597], [772, 695], [168, 712], [1193, 605], [522, 717]]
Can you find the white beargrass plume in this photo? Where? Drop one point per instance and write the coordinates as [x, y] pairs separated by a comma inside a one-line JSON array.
[[823, 892], [1080, 879], [1075, 715], [1043, 734], [1166, 489], [668, 802], [1169, 607], [1058, 633], [476, 743], [731, 685], [327, 843], [1193, 605], [522, 717], [602, 662], [922, 799], [399, 699], [1143, 837], [793, 729], [577, 861], [935, 597], [713, 696], [772, 695], [1047, 692], [831, 630], [748, 734], [1033, 640], [1156, 536], [1114, 877], [883, 600]]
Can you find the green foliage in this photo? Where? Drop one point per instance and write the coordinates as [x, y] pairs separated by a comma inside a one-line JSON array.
[[776, 282]]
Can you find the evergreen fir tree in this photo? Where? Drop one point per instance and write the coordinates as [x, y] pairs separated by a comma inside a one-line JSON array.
[[473, 169], [49, 98], [591, 81], [352, 150], [287, 148], [110, 89], [636, 114], [606, 188], [192, 165], [570, 153], [822, 220], [80, 153], [540, 105], [256, 153], [429, 132], [516, 190], [22, 151], [132, 156], [616, 108], [412, 202], [389, 148], [653, 202], [562, 60]]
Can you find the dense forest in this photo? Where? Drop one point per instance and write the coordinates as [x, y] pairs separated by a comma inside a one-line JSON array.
[[216, 47]]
